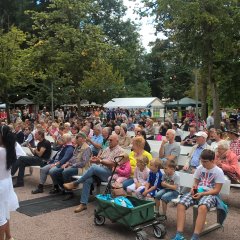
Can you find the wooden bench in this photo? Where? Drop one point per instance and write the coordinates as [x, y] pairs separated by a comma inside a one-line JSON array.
[[29, 153], [187, 180]]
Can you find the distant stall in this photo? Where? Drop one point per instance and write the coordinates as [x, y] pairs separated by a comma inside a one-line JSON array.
[[3, 105], [184, 102], [155, 105]]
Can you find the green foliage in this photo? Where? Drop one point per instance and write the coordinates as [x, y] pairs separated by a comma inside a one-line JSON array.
[[206, 34], [170, 76], [71, 45], [67, 46], [101, 83], [140, 89], [10, 52]]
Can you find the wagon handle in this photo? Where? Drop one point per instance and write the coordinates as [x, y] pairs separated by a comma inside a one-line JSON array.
[[118, 159]]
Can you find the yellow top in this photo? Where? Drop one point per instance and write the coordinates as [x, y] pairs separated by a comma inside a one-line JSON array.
[[133, 161]]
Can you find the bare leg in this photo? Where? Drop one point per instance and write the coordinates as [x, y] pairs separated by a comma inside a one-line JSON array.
[[2, 232], [181, 217], [7, 231], [164, 208], [157, 205], [202, 214]]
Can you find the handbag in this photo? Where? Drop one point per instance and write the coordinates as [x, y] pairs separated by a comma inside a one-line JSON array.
[[235, 179], [159, 137], [117, 190]]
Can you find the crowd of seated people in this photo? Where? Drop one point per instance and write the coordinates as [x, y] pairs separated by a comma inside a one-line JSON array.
[[88, 147]]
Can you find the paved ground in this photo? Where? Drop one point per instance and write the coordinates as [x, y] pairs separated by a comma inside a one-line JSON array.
[[65, 224]]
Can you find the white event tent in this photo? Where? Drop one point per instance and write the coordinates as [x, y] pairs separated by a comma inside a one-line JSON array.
[[3, 105], [153, 103]]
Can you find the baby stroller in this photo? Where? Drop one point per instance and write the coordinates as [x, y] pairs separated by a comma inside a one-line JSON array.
[[137, 218]]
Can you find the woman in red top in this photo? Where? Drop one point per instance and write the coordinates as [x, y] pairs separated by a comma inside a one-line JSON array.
[[227, 160]]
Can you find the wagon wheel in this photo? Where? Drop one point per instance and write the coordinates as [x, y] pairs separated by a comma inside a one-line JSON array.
[[99, 220], [141, 235], [159, 231]]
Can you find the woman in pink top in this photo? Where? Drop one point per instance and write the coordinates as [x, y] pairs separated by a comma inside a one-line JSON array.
[[227, 160]]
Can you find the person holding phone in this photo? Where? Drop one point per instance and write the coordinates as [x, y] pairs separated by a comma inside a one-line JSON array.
[[208, 181]]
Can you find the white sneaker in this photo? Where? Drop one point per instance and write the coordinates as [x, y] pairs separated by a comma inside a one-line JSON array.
[[176, 200]]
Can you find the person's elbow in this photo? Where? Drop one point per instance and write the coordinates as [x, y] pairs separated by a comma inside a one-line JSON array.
[[218, 189], [171, 157]]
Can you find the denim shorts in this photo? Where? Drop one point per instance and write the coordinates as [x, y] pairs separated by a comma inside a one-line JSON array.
[[166, 195]]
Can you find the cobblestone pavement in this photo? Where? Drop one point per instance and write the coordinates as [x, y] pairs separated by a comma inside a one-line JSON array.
[[65, 224]]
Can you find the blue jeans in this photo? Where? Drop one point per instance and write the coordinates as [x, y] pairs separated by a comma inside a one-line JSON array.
[[87, 179], [166, 195], [127, 183], [60, 176], [56, 175], [68, 173]]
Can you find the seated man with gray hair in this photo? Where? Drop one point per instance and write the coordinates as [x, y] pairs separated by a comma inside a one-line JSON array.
[[60, 158], [169, 150], [78, 162], [193, 160], [95, 142], [102, 168]]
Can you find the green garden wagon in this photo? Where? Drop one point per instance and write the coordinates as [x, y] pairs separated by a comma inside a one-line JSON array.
[[136, 219]]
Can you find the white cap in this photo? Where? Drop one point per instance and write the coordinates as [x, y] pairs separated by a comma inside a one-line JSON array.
[[201, 134]]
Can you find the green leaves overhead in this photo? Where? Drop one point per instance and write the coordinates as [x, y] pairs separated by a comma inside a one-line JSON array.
[[10, 52], [205, 33]]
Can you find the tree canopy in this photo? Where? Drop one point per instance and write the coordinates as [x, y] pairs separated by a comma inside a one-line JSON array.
[[205, 34]]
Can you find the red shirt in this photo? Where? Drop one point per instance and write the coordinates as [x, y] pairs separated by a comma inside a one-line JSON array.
[[235, 147]]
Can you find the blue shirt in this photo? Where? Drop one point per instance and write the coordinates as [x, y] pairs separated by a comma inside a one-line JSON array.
[[196, 155], [96, 139], [155, 179]]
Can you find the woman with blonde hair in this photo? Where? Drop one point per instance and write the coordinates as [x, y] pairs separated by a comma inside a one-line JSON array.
[[138, 151]]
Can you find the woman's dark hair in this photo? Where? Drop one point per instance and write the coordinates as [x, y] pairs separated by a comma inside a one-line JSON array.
[[143, 133], [207, 155], [8, 141], [219, 132], [176, 125]]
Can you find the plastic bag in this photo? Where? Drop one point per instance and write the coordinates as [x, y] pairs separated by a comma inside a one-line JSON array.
[[123, 201]]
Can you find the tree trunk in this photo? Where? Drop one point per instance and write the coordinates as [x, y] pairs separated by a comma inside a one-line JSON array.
[[204, 97], [215, 96], [6, 101], [79, 106]]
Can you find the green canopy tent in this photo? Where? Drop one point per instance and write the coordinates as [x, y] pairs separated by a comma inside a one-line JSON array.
[[184, 102]]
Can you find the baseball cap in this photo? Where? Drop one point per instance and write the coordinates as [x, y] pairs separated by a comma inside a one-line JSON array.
[[82, 134], [201, 134]]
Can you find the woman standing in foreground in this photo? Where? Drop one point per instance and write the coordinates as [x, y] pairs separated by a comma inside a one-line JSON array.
[[8, 198]]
